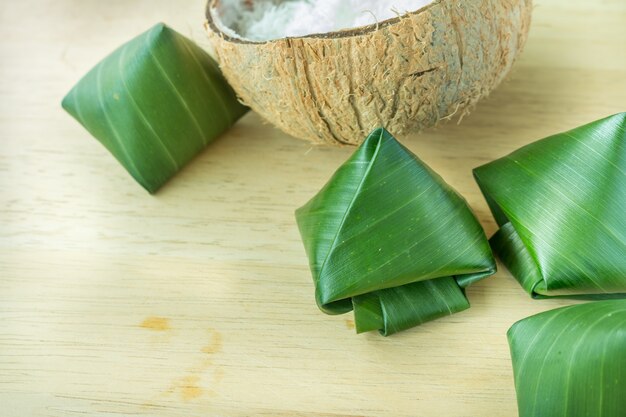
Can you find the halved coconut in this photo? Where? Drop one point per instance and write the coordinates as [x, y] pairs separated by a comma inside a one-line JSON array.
[[405, 73]]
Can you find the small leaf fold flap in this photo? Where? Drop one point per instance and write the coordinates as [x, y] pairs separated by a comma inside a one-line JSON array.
[[388, 238], [561, 207], [571, 361], [155, 103]]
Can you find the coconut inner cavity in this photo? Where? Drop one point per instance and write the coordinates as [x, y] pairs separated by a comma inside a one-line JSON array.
[[263, 20]]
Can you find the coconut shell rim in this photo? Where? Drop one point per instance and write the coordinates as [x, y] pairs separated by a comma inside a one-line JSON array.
[[337, 34]]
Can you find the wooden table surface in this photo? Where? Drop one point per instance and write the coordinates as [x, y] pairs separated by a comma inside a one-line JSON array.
[[198, 301]]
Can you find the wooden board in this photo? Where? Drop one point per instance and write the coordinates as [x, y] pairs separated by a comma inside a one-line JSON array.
[[199, 301]]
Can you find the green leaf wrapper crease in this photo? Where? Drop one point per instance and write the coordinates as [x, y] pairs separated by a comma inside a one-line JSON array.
[[560, 203], [571, 362], [387, 237], [155, 103], [140, 113]]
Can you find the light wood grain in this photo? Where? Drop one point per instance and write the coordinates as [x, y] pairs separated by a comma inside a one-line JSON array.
[[198, 301]]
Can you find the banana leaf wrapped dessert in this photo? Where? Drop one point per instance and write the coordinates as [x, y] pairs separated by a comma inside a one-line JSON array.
[[571, 361], [561, 207], [388, 238], [155, 103]]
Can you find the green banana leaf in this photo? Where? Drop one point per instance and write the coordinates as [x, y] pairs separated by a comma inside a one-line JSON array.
[[155, 103], [571, 361], [390, 239], [561, 207]]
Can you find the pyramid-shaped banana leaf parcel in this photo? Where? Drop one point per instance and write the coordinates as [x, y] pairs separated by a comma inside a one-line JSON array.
[[155, 103], [390, 239], [561, 206], [571, 361]]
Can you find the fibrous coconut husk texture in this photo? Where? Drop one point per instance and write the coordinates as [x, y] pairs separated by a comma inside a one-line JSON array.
[[404, 74]]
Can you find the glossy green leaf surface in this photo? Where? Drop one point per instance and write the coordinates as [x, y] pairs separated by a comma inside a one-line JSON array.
[[387, 237], [571, 362], [155, 103], [561, 206]]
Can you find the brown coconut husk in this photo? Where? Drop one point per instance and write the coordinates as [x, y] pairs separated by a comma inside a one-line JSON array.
[[405, 74]]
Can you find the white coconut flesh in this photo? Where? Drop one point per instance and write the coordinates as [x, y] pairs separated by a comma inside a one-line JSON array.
[[264, 20]]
